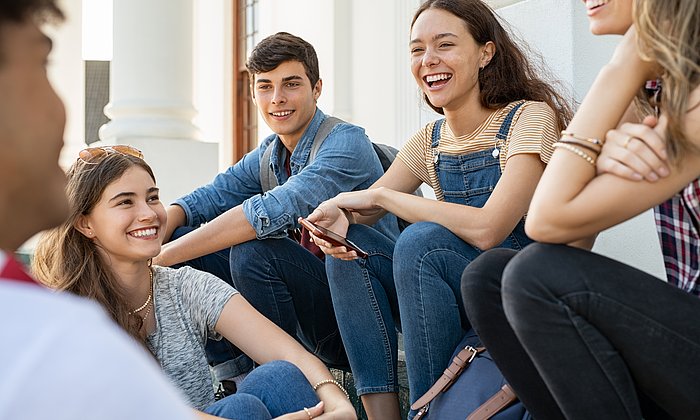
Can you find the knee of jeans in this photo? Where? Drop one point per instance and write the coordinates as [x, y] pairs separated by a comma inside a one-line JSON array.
[[532, 274], [415, 240], [243, 256], [482, 277], [238, 405], [280, 368]]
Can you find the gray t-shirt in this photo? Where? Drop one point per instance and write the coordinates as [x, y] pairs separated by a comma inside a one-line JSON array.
[[188, 303]]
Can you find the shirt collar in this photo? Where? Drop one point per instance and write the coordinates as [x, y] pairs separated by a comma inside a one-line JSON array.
[[11, 269]]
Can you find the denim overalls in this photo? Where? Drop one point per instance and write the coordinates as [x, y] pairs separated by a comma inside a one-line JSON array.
[[413, 284], [469, 179]]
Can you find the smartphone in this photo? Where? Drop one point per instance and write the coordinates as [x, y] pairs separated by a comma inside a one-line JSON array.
[[332, 237]]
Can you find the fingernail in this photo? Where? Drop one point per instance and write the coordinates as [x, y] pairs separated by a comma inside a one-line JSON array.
[[320, 403], [662, 171], [652, 177], [637, 177]]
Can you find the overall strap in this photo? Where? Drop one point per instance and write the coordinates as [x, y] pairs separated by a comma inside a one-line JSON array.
[[435, 137], [505, 127], [436, 133]]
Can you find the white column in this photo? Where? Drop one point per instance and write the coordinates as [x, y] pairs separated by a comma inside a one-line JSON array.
[[151, 74], [151, 93]]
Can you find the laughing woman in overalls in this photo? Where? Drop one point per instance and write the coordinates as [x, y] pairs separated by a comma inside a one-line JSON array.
[[483, 161]]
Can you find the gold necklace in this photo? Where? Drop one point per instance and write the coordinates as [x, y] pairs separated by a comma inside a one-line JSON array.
[[148, 300]]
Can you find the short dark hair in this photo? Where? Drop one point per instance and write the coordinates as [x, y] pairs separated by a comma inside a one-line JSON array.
[[278, 48], [18, 11]]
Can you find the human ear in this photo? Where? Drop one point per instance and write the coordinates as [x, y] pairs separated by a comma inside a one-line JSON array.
[[82, 225], [317, 89], [487, 53]]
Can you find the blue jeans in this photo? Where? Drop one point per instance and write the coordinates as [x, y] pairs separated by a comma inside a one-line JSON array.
[[288, 285], [581, 336], [284, 282], [416, 280], [269, 391]]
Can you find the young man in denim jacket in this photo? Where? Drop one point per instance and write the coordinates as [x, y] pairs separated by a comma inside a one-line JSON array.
[[247, 239]]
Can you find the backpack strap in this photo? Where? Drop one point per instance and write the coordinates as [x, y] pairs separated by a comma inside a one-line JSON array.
[[323, 131], [449, 376], [500, 400], [268, 180]]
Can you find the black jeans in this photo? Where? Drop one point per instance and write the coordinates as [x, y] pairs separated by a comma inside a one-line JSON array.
[[581, 336]]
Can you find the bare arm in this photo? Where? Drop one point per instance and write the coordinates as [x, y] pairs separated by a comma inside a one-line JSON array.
[[571, 202], [264, 341], [229, 229], [483, 227], [330, 213]]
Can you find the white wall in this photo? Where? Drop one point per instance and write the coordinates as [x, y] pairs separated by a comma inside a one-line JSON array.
[[559, 30]]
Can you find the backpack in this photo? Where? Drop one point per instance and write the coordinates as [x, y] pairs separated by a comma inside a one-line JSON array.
[[384, 152], [472, 387]]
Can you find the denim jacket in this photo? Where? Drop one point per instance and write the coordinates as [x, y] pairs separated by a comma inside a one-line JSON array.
[[346, 161]]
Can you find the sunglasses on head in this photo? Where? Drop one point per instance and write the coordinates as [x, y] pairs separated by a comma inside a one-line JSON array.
[[93, 155]]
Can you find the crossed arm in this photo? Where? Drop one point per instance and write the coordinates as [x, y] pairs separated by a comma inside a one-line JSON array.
[[571, 202]]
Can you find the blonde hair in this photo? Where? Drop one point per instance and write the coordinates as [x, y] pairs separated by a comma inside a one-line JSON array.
[[669, 34]]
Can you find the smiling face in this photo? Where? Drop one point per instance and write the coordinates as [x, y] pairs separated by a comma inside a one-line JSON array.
[[445, 59], [32, 119], [286, 100], [127, 222], [609, 17]]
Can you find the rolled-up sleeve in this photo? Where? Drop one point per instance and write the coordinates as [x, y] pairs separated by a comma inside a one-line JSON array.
[[346, 161]]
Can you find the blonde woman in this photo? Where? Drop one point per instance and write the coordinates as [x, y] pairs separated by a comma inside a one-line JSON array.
[[578, 335]]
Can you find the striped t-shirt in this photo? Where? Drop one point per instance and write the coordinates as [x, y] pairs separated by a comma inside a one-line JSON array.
[[533, 130]]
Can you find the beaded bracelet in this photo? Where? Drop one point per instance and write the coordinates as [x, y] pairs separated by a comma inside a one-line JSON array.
[[591, 140], [334, 382], [576, 151]]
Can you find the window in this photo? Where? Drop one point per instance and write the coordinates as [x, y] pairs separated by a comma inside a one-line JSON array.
[[245, 124]]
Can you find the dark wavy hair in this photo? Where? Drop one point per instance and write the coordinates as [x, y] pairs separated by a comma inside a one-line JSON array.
[[278, 48], [509, 76]]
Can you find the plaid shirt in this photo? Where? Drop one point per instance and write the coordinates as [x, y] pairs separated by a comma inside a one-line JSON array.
[[678, 225]]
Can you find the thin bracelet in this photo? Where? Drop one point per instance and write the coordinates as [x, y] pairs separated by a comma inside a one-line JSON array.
[[334, 382], [591, 140], [586, 145], [576, 151]]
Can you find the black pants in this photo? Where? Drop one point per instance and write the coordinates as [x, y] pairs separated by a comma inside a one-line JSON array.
[[581, 336]]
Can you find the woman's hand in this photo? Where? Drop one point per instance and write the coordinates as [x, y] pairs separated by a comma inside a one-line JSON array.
[[337, 215], [344, 412], [314, 412], [635, 152], [626, 56]]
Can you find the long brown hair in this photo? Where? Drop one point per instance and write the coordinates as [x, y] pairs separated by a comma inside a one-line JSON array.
[[509, 76], [669, 34], [67, 260]]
